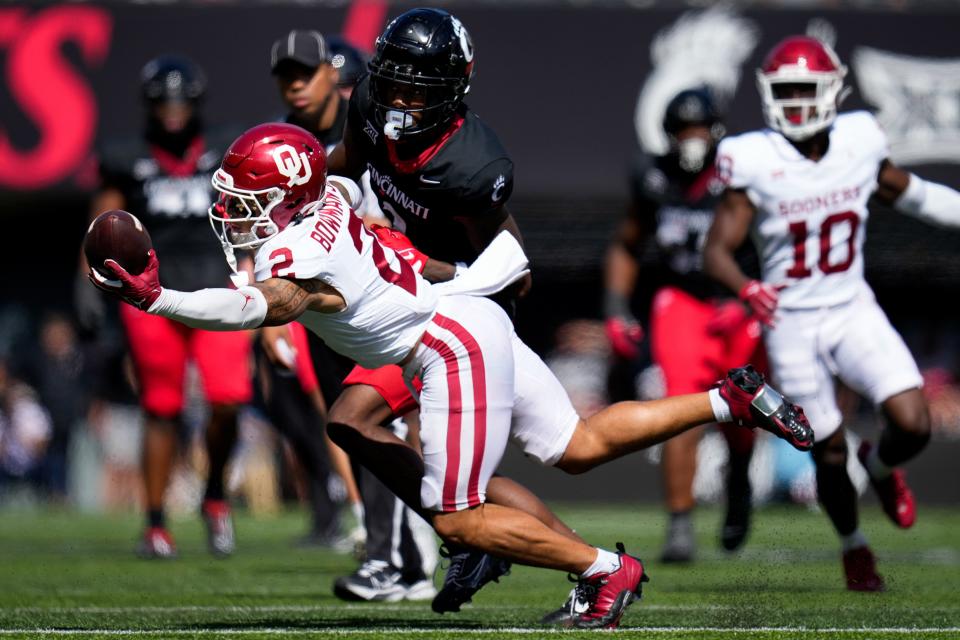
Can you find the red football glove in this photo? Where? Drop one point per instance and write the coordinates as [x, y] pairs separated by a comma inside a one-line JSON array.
[[753, 403], [401, 245], [762, 300], [728, 318], [625, 335], [141, 291]]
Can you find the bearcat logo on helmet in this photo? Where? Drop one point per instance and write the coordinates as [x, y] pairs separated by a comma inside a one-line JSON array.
[[289, 164], [465, 43]]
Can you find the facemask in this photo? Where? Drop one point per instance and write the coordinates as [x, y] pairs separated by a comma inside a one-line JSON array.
[[396, 122], [692, 152]]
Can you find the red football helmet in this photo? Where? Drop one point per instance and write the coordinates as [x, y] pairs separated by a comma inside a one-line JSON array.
[[267, 176], [801, 84]]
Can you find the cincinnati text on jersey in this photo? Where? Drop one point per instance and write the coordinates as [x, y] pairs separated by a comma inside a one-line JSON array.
[[384, 184]]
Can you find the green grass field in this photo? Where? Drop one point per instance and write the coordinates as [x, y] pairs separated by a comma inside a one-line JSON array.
[[67, 575]]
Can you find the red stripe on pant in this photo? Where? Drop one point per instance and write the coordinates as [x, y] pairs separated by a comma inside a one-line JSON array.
[[478, 373], [454, 411]]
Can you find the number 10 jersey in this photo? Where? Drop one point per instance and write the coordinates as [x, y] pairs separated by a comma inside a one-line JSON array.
[[811, 216]]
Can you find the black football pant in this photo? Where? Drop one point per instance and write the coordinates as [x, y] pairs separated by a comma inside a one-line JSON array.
[[390, 534]]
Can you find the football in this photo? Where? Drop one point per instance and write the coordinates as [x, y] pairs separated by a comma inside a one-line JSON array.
[[119, 236]]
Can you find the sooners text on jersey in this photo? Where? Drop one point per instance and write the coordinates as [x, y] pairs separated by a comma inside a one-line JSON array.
[[811, 216]]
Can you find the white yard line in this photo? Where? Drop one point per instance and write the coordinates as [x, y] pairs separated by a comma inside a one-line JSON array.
[[369, 607], [350, 631]]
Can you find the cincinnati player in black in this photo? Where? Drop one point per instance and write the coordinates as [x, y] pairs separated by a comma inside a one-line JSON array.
[[163, 178], [443, 178], [696, 331]]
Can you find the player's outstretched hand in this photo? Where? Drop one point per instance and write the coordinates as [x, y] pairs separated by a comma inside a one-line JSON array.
[[762, 299], [401, 245], [753, 403], [140, 291]]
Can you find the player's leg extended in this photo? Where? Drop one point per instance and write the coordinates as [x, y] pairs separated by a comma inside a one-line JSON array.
[[466, 412], [874, 360], [158, 348], [797, 349]]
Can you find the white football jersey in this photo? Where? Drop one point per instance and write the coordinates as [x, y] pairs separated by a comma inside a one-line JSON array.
[[388, 304], [811, 216]]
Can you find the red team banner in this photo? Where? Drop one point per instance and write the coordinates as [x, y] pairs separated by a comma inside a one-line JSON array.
[[53, 95]]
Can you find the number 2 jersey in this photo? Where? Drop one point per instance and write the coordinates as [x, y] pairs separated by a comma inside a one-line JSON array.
[[811, 216], [388, 304]]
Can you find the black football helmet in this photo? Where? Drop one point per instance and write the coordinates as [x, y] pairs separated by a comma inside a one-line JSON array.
[[172, 78], [692, 107], [349, 61], [420, 72]]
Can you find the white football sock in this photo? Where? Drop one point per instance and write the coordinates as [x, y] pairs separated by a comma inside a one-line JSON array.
[[606, 562], [721, 410], [853, 541], [875, 466]]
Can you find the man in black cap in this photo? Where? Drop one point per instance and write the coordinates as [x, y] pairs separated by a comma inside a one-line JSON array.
[[315, 76], [302, 63]]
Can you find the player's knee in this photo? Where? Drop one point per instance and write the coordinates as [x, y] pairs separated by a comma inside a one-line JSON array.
[[343, 435], [455, 527], [912, 417], [831, 452]]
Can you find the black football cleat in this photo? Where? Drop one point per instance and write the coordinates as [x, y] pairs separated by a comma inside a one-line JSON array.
[[753, 403], [468, 572]]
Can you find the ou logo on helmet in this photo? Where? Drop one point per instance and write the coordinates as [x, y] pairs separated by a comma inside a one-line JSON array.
[[465, 43], [290, 165]]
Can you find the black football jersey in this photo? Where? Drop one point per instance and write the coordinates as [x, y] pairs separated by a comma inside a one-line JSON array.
[[466, 173], [676, 210], [171, 197]]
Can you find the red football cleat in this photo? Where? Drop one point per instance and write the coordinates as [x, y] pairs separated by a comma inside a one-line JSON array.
[[609, 594], [895, 496], [220, 538], [754, 403], [157, 543], [860, 567]]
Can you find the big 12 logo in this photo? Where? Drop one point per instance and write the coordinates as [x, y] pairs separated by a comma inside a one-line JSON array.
[[48, 90]]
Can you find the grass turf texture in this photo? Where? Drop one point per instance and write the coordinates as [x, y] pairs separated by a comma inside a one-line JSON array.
[[76, 576]]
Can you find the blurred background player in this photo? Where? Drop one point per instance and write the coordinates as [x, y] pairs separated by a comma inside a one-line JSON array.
[[801, 189], [298, 376], [308, 70], [163, 178], [697, 333]]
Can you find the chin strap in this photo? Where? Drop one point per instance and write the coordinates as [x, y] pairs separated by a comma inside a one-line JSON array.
[[237, 277]]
